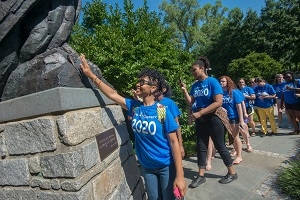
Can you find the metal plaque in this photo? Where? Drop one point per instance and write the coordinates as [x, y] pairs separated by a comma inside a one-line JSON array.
[[107, 143]]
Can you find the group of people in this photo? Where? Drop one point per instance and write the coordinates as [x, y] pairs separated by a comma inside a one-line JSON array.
[[217, 106], [283, 94], [287, 89]]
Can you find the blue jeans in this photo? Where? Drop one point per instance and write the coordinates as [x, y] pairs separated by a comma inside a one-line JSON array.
[[159, 182]]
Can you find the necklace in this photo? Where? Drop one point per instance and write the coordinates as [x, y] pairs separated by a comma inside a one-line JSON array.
[[148, 108], [150, 104]]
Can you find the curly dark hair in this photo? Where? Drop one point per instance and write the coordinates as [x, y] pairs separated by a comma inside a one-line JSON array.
[[230, 84], [154, 76], [291, 73], [168, 93]]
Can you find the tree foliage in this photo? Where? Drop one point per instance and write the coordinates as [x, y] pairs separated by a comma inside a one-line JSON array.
[[122, 42], [206, 31], [192, 24], [254, 65], [280, 27], [237, 38]]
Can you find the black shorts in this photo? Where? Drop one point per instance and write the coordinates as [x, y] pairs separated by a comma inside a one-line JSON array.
[[294, 106], [250, 110]]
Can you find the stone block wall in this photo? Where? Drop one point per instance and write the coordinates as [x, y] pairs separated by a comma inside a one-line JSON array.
[[55, 156]]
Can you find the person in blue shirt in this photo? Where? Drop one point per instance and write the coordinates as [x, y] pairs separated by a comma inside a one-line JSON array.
[[265, 95], [208, 95], [232, 102], [253, 85], [249, 95], [163, 97], [279, 87], [292, 102], [156, 142]]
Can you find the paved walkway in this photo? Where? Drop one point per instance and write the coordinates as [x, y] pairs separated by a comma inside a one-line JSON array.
[[257, 172]]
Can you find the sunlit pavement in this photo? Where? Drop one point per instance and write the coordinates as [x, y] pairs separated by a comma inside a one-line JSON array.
[[257, 172]]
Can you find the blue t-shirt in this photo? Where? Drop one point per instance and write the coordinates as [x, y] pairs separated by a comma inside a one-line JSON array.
[[289, 95], [279, 88], [248, 91], [151, 143], [229, 103], [267, 89], [253, 101], [171, 105], [194, 107], [204, 91]]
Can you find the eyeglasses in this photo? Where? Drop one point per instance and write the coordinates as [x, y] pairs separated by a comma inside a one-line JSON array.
[[288, 76], [138, 85], [145, 82]]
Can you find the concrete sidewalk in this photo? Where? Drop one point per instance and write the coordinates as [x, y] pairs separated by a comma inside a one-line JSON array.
[[257, 172]]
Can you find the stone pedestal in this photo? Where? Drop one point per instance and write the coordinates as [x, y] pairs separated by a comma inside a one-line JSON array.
[[51, 143]]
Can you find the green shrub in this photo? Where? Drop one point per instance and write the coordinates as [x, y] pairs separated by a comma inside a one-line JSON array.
[[189, 148], [188, 134], [255, 117], [289, 180]]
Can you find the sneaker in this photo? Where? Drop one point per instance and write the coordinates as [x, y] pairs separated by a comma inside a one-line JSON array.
[[263, 135], [198, 180], [270, 134], [295, 132], [228, 178]]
